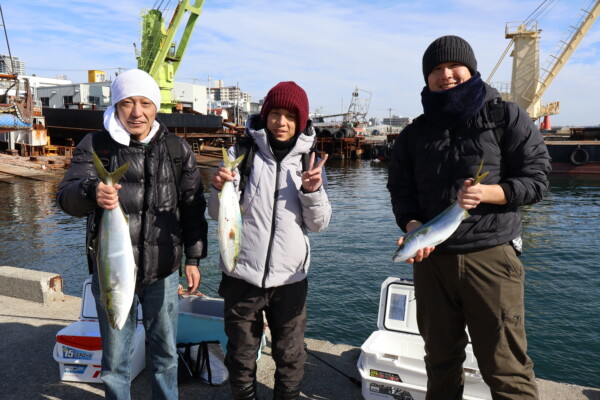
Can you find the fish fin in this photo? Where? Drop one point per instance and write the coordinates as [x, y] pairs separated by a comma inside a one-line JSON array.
[[479, 176], [102, 173]]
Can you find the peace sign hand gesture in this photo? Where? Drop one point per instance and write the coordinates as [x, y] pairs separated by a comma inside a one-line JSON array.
[[312, 179]]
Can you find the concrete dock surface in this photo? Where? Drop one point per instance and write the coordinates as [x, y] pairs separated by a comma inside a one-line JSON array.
[[28, 370]]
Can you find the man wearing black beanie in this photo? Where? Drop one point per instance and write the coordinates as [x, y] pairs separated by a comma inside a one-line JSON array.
[[474, 278]]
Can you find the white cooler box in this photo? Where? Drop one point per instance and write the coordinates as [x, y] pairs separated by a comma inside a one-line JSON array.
[[391, 361], [78, 347]]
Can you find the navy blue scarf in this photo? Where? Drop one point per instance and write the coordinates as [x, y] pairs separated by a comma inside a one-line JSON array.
[[452, 107]]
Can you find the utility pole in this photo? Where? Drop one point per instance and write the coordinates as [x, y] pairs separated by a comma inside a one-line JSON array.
[[209, 97], [237, 102]]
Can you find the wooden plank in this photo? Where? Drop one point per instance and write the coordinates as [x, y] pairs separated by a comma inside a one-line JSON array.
[[27, 173], [6, 178]]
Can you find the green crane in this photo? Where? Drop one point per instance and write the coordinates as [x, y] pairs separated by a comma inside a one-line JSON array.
[[159, 56]]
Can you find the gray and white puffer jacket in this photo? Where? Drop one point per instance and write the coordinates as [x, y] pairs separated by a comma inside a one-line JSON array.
[[276, 214]]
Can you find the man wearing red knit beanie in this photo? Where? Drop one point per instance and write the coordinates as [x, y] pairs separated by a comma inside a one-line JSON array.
[[281, 202]]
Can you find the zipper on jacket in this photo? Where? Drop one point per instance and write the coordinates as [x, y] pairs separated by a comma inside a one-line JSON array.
[[307, 253], [274, 216]]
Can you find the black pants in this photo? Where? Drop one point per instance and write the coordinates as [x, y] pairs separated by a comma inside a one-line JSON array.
[[285, 309], [484, 291]]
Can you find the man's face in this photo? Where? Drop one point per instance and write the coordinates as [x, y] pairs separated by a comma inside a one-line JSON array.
[[281, 123], [137, 114], [447, 75]]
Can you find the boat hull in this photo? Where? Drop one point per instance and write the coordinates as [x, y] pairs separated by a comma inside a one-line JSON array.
[[574, 156], [63, 123]]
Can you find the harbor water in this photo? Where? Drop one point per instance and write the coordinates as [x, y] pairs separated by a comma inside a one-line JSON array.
[[353, 256]]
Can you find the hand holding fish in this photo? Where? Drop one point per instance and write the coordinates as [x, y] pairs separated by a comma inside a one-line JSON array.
[[220, 177], [421, 240], [312, 179], [107, 196], [421, 253], [470, 195]]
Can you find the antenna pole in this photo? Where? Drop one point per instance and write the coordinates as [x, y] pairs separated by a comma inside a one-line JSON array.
[[10, 60]]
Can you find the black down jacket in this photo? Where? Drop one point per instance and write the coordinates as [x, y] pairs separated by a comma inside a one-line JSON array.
[[429, 164], [160, 226]]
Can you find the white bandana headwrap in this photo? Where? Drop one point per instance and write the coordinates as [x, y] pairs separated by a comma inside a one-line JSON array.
[[133, 82]]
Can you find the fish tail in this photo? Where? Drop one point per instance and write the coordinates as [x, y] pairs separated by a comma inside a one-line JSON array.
[[102, 172], [109, 178], [230, 165], [237, 162], [479, 176], [119, 172], [225, 157]]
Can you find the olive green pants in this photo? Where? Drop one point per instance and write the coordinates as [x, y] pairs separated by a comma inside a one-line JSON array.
[[482, 290]]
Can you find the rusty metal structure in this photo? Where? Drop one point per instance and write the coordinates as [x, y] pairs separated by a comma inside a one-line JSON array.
[[22, 126], [344, 139]]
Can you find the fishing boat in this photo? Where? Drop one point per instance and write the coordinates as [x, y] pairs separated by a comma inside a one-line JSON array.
[[343, 139], [63, 123], [574, 150], [15, 109], [22, 127]]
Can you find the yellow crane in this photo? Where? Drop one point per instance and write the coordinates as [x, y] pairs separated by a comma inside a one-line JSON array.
[[529, 81], [159, 56]]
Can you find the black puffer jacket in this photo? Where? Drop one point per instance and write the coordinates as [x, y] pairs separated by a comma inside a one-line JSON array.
[[429, 165], [159, 224]]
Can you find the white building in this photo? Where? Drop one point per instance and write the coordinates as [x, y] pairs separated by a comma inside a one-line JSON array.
[[191, 95], [397, 121], [58, 93], [18, 66], [229, 93], [36, 82], [86, 95]]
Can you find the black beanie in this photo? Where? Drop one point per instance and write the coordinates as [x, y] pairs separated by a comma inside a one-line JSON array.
[[448, 49]]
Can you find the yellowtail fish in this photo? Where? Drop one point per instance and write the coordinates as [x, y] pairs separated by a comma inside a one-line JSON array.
[[229, 228], [437, 230], [116, 266]]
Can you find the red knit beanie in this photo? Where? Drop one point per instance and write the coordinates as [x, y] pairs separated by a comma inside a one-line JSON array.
[[290, 96]]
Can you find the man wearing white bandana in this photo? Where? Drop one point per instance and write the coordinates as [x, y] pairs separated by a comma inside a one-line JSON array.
[[166, 221]]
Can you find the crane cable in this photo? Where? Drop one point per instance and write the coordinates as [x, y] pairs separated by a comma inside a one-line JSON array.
[[541, 9], [544, 8]]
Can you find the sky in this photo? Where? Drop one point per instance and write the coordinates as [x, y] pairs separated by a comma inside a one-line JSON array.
[[329, 47]]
